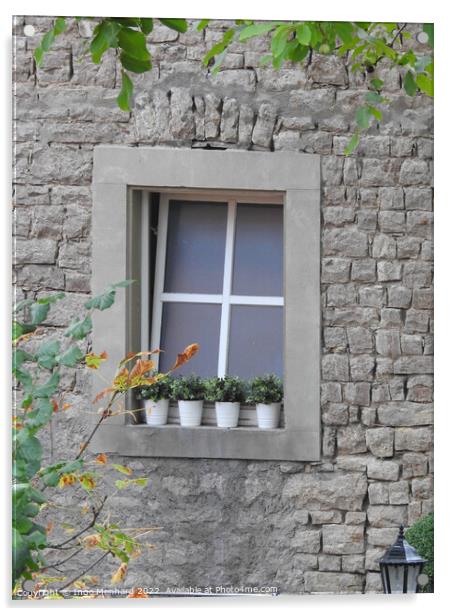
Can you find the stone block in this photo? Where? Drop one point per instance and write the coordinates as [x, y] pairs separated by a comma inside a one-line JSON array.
[[347, 242], [422, 488], [415, 172], [263, 129], [336, 270], [378, 493], [399, 297], [333, 583], [380, 442], [307, 541], [383, 516], [38, 251], [351, 440], [326, 491], [413, 439], [388, 342], [405, 414], [386, 470], [399, 493], [353, 563], [414, 365], [414, 465], [418, 198], [364, 270], [357, 393], [335, 367], [343, 539], [360, 340], [389, 271]]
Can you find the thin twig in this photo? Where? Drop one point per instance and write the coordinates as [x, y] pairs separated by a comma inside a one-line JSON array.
[[96, 514], [99, 560]]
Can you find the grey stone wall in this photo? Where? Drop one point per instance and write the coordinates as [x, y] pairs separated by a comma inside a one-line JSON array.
[[304, 527]]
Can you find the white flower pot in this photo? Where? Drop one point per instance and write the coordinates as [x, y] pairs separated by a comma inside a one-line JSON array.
[[227, 414], [156, 412], [268, 415], [190, 412]]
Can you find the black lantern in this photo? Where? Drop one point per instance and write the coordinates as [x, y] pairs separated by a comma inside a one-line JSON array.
[[400, 567]]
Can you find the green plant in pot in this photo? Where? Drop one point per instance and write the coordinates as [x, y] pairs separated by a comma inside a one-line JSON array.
[[156, 399], [266, 392], [189, 391], [227, 393]]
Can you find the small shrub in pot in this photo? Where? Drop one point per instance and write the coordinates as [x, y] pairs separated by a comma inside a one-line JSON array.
[[227, 393], [189, 391], [266, 392], [156, 400]]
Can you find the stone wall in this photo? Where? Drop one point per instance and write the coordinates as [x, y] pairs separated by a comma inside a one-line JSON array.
[[303, 527]]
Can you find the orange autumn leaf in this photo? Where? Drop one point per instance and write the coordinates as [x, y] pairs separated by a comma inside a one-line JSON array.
[[55, 406], [119, 574], [141, 368], [93, 361], [103, 393], [66, 406], [185, 356], [91, 541], [137, 593], [101, 458], [49, 527], [67, 479], [132, 355]]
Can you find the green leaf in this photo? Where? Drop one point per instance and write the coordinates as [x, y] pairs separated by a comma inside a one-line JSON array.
[[303, 34], [218, 62], [377, 83], [125, 95], [219, 47], [345, 31], [409, 84], [39, 313], [47, 353], [134, 65], [352, 144], [122, 469], [48, 388], [425, 84], [70, 357], [255, 30], [79, 329], [147, 24], [39, 417], [24, 303], [105, 36], [279, 41], [429, 30], [180, 25], [373, 97], [47, 40], [20, 357], [38, 54], [376, 113], [298, 53], [19, 329], [202, 24], [134, 44], [363, 117], [60, 26], [123, 284]]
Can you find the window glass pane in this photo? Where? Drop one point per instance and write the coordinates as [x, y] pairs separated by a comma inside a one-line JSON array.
[[195, 247], [183, 324], [256, 341], [258, 253]]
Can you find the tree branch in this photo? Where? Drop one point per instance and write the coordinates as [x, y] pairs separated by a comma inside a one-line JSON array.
[[99, 560], [96, 514]]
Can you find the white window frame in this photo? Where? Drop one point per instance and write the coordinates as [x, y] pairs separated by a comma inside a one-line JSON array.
[[119, 173], [226, 299]]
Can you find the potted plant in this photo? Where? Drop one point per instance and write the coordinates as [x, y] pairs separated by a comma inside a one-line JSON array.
[[227, 393], [156, 400], [266, 392], [189, 392]]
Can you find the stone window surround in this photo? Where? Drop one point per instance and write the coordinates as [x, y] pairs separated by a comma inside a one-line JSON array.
[[117, 170]]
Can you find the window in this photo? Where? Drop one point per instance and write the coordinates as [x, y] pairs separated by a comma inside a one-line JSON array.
[[217, 219], [209, 285]]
